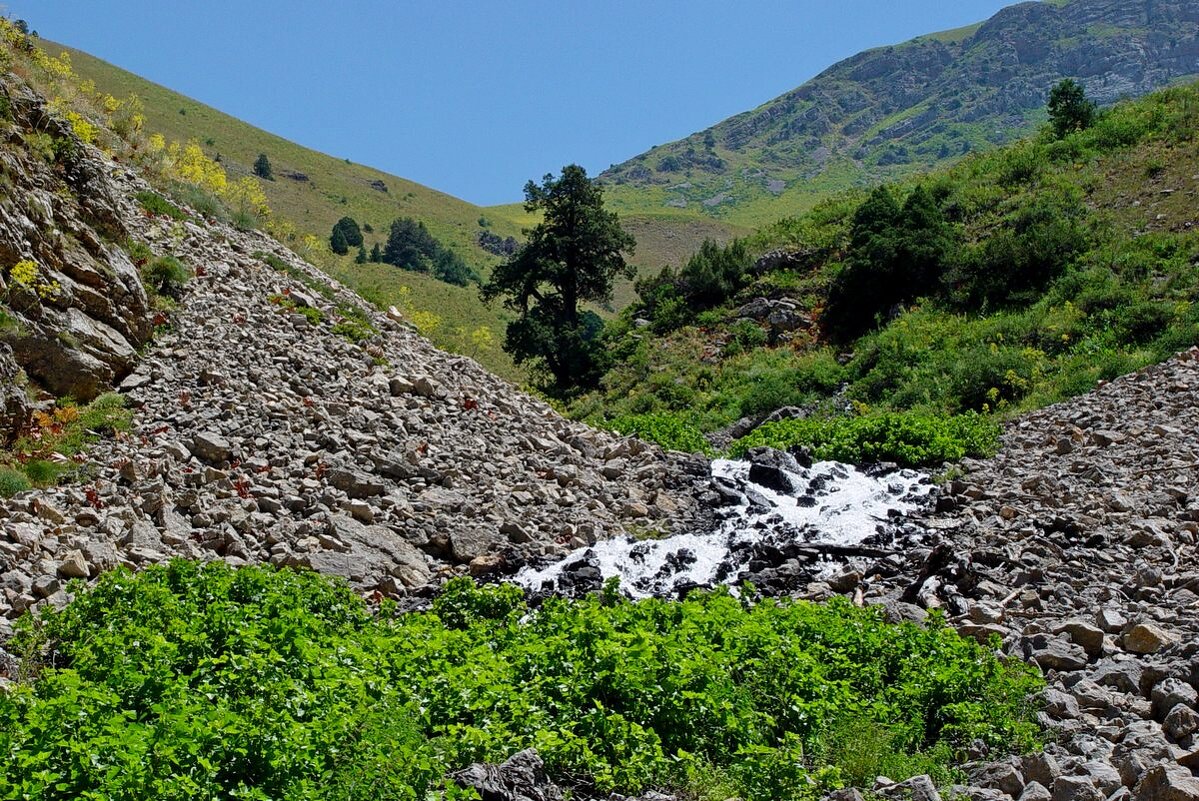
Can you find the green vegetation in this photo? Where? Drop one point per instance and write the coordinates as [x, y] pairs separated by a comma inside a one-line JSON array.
[[188, 681], [166, 276], [671, 431], [1016, 279], [571, 257], [410, 246], [908, 439], [1069, 109], [157, 204], [351, 234], [42, 455]]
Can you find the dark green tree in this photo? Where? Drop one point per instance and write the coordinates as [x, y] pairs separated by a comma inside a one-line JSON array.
[[262, 168], [896, 255], [570, 258], [1069, 109], [715, 273], [349, 229], [338, 243], [410, 245], [376, 256], [361, 257]]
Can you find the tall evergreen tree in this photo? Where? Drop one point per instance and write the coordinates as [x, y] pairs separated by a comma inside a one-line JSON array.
[[572, 257], [361, 257], [262, 168], [338, 243], [376, 256]]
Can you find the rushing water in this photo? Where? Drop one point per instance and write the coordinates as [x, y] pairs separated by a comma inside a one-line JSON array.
[[832, 503]]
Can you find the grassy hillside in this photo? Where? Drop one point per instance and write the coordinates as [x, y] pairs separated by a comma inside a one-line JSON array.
[[314, 190], [1015, 279], [894, 111]]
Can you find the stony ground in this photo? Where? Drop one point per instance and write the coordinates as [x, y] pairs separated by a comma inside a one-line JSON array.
[[1076, 546], [263, 436]]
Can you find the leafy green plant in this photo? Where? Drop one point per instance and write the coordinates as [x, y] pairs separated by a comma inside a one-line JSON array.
[[675, 432], [353, 330], [189, 680], [166, 276], [907, 438]]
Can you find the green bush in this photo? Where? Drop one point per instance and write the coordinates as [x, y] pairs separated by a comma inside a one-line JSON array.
[[157, 204], [166, 276], [200, 681], [908, 438], [673, 431]]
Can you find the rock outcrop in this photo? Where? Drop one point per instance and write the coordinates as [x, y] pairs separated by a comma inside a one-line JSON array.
[[63, 211]]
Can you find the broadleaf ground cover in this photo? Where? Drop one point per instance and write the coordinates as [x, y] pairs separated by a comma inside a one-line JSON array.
[[202, 681]]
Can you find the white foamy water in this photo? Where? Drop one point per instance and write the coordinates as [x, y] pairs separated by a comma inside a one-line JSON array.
[[835, 504]]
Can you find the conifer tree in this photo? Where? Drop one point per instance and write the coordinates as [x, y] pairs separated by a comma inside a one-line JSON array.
[[338, 244], [572, 257], [262, 168]]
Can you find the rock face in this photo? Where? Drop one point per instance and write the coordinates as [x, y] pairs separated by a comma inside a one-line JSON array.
[[937, 87], [63, 216], [14, 404]]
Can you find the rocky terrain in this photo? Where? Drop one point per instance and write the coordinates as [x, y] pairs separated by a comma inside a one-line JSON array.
[[1076, 546], [75, 326], [895, 110], [263, 435]]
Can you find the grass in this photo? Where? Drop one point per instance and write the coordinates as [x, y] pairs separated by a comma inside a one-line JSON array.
[[44, 454]]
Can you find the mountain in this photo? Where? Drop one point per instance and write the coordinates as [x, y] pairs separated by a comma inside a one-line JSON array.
[[892, 111], [251, 570], [313, 190]]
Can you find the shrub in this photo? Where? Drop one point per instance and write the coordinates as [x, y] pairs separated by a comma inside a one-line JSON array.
[[350, 233], [157, 204], [671, 430], [166, 276], [202, 681], [262, 167], [907, 438], [896, 255]]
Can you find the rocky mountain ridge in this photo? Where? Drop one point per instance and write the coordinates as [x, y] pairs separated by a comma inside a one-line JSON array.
[[892, 111]]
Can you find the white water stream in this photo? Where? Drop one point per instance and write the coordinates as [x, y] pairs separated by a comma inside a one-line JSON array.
[[835, 504]]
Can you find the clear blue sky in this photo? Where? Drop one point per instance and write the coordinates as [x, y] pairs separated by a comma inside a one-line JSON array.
[[475, 98]]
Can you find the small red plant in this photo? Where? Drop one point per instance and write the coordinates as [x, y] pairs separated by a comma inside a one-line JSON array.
[[93, 497]]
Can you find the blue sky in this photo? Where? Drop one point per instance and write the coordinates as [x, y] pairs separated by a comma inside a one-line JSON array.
[[475, 98]]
